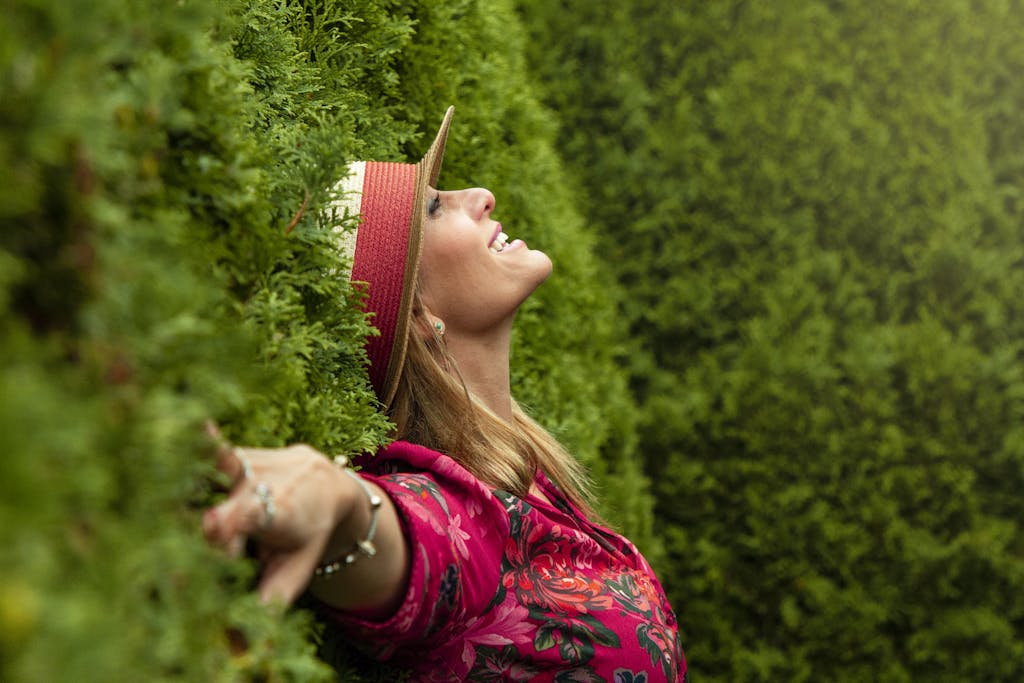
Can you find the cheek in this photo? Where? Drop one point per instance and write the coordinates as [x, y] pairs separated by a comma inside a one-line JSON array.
[[444, 272]]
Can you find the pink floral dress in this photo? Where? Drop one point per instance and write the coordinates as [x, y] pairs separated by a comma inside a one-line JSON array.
[[504, 588]]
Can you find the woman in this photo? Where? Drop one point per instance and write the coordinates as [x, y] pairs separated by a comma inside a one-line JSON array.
[[466, 550]]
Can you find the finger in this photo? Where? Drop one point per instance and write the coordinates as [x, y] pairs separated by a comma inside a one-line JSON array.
[[235, 547], [286, 576], [220, 446], [234, 462], [239, 515], [212, 431], [231, 460]]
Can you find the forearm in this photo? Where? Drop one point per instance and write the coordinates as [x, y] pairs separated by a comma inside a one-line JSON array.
[[377, 584]]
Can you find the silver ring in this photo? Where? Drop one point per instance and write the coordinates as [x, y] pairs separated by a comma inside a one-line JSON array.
[[267, 501], [246, 467]]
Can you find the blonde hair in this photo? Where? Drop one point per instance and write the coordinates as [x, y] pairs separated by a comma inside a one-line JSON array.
[[433, 408]]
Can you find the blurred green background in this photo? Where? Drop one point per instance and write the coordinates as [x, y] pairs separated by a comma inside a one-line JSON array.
[[785, 329]]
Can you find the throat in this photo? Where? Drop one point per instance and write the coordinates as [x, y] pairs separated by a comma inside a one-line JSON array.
[[484, 366]]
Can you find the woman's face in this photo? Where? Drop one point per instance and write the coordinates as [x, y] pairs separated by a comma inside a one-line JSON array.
[[471, 275]]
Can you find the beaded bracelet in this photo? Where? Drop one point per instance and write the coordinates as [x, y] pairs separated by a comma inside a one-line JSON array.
[[363, 547]]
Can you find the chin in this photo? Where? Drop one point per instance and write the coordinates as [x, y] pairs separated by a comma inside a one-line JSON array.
[[541, 274], [544, 266]]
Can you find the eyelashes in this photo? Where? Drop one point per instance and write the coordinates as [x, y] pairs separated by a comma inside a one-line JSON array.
[[434, 205]]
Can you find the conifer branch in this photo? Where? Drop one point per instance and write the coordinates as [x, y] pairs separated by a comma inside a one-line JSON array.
[[298, 215]]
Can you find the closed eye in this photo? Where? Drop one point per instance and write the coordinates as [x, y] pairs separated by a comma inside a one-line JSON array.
[[434, 205]]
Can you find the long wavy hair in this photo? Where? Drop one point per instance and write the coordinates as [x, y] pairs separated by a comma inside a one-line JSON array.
[[434, 408]]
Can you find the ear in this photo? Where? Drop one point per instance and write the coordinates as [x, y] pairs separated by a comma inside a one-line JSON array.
[[430, 326]]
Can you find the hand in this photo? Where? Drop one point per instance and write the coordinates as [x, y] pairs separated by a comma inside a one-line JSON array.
[[287, 499]]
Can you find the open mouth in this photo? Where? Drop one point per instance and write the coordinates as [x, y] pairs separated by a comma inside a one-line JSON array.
[[499, 243]]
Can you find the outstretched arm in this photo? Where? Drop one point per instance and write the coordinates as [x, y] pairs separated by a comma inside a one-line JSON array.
[[318, 514]]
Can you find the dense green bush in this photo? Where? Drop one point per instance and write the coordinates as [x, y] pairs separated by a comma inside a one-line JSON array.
[[816, 210], [165, 256]]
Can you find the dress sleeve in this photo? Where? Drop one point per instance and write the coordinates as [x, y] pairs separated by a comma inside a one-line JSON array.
[[456, 529]]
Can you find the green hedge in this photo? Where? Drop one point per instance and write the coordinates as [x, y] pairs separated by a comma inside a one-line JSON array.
[[165, 257], [816, 211]]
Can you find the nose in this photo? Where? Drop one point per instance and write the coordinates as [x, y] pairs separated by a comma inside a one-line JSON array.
[[480, 202]]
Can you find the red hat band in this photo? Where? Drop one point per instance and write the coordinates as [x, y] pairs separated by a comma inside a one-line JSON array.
[[385, 249]]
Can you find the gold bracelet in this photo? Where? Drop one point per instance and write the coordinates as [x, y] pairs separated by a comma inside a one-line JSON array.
[[363, 547]]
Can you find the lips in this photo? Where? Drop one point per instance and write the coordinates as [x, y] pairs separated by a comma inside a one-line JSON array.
[[499, 243], [498, 240]]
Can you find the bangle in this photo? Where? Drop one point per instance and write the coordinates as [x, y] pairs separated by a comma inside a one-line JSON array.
[[363, 547]]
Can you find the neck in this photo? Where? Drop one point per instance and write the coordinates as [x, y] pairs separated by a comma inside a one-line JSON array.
[[483, 360]]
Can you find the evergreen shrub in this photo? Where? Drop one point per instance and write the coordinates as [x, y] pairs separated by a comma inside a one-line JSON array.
[[166, 257], [817, 219]]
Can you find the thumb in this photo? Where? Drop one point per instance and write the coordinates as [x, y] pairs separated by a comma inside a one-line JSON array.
[[286, 575]]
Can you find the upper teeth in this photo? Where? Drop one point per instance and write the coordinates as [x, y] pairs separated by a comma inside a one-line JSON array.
[[499, 242]]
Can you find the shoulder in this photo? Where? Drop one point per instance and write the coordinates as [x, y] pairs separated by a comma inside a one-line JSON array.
[[399, 456], [432, 486], [401, 460]]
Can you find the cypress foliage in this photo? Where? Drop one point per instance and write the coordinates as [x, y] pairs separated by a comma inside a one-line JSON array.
[[166, 257], [818, 224]]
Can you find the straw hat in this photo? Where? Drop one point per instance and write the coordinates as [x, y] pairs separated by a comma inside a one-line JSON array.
[[385, 250]]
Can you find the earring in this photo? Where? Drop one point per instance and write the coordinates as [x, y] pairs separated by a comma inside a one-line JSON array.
[[439, 328]]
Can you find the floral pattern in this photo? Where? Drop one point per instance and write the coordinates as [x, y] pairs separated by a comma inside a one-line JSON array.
[[627, 676], [509, 589]]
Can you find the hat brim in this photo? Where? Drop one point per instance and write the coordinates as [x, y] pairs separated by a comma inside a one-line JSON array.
[[427, 172]]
